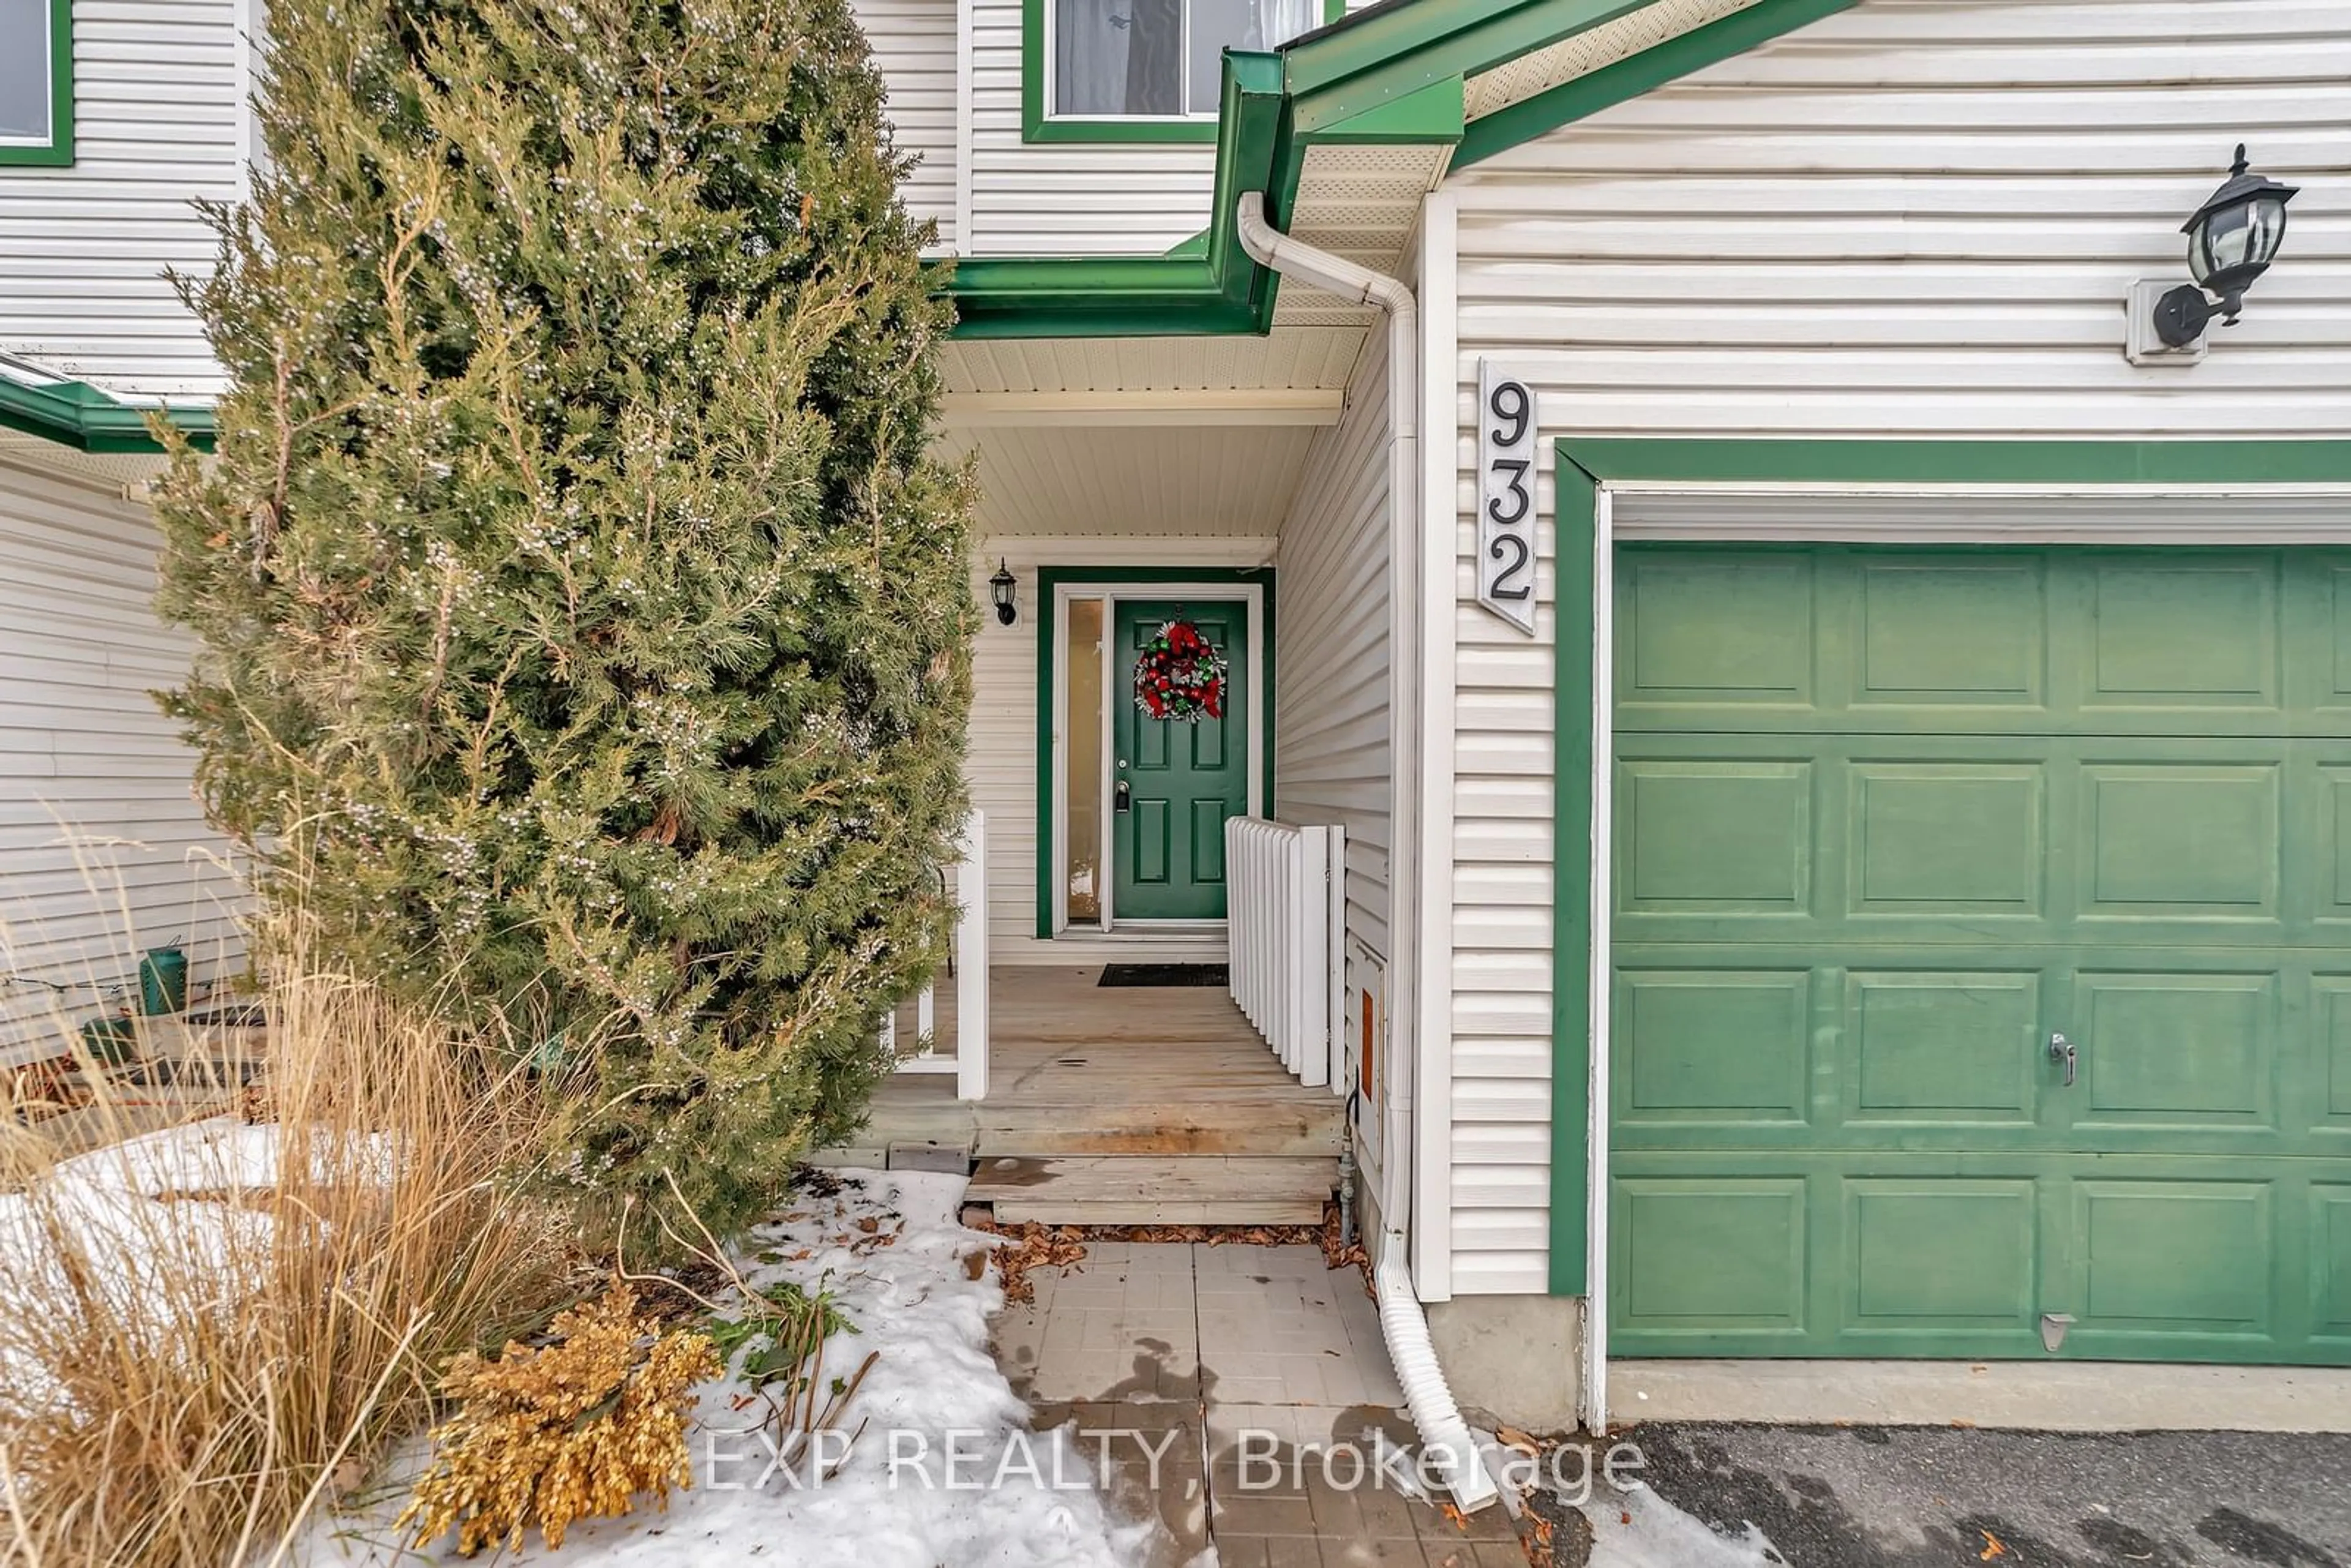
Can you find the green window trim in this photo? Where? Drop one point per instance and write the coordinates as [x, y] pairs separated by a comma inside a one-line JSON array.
[[1584, 468], [58, 152], [1050, 578], [1039, 125]]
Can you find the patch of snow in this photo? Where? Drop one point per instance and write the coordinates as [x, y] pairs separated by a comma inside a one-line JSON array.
[[108, 1197], [942, 1468], [1638, 1529]]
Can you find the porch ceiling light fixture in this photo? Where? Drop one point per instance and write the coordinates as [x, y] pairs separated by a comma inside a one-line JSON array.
[[1005, 588], [2232, 240]]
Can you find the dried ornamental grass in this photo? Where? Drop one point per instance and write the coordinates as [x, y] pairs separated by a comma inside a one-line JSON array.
[[201, 1329], [577, 1429]]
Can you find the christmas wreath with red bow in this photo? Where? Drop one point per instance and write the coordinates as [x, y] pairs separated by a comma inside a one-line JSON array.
[[1178, 675]]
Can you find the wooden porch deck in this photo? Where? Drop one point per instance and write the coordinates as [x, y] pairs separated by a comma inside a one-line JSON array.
[[1120, 1105]]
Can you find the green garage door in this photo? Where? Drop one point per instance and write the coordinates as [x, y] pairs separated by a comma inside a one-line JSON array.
[[1889, 820]]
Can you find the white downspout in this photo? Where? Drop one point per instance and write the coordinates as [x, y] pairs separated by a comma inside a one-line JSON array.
[[1443, 1433]]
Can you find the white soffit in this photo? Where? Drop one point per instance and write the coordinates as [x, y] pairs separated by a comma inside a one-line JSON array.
[[1206, 406], [1066, 481], [1318, 357], [1590, 50], [1360, 203], [111, 470]]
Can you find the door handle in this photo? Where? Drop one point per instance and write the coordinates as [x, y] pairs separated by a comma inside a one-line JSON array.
[[2063, 1050], [1120, 798]]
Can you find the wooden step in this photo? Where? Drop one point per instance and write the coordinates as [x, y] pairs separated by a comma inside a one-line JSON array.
[[1155, 1189]]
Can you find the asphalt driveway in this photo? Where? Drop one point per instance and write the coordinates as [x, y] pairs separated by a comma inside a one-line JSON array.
[[1880, 1497]]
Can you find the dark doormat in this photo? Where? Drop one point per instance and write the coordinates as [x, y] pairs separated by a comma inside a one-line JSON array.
[[1164, 975]]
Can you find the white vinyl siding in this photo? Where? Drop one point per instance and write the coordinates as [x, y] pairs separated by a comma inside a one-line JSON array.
[[1331, 668], [160, 124], [83, 248], [1122, 198], [1002, 763], [103, 851], [914, 44], [1913, 218]]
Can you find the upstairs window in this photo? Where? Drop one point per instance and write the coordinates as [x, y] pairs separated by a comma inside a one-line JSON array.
[[35, 81], [1137, 61]]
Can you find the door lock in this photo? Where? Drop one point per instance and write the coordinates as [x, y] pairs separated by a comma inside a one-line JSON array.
[[2063, 1050]]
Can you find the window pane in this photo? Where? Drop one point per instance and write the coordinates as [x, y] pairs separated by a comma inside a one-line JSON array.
[[1221, 24], [25, 70], [1083, 726], [1117, 57]]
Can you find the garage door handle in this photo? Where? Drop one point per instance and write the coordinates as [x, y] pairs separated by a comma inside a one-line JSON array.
[[2062, 1049]]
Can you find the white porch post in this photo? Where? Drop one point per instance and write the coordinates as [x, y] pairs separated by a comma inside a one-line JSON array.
[[971, 962]]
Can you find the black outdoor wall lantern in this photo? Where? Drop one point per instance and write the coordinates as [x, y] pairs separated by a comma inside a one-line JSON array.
[[2231, 241], [1003, 588]]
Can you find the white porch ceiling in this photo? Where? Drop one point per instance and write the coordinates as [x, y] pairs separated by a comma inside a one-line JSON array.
[[1202, 481]]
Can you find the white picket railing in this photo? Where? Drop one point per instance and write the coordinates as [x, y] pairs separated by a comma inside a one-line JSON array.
[[962, 1048], [1286, 922]]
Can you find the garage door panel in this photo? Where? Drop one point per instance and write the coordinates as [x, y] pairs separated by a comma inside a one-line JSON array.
[[2329, 1228], [1726, 836], [2171, 1050], [2040, 841], [2174, 1256], [1937, 1047], [2334, 585], [2181, 839], [2055, 641], [1719, 629], [1951, 629], [2192, 629], [1940, 1255], [2332, 863], [1724, 1047], [1709, 1255], [1946, 838], [2329, 1095]]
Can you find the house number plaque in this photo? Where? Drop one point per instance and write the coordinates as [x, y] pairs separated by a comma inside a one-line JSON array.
[[1506, 497]]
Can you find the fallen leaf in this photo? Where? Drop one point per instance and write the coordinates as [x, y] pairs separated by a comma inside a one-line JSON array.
[[1518, 1439]]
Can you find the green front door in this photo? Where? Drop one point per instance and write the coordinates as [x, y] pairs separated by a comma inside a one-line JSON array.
[[1891, 821], [1174, 783]]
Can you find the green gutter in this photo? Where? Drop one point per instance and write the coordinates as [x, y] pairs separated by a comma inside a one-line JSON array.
[[76, 414], [1206, 285], [1213, 288]]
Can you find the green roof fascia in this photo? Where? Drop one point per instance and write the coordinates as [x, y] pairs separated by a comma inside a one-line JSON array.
[[1628, 78], [1433, 114], [76, 414], [1212, 288], [1378, 56]]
